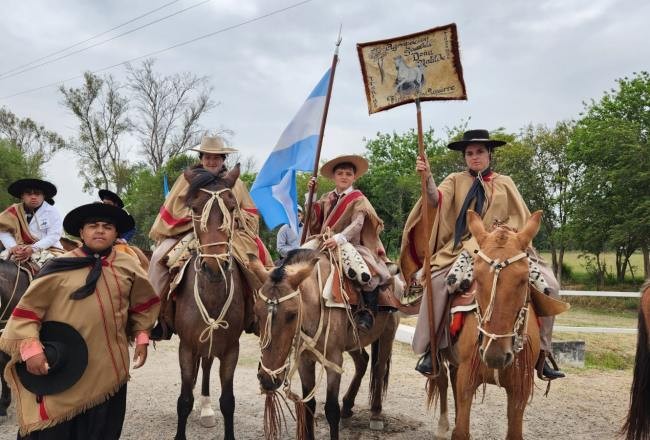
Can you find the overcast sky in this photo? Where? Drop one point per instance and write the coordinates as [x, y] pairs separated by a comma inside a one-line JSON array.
[[523, 61]]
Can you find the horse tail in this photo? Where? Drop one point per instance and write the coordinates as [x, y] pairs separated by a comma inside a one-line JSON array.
[[637, 423], [377, 383]]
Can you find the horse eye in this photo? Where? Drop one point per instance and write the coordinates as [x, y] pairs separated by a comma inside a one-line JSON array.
[[290, 316]]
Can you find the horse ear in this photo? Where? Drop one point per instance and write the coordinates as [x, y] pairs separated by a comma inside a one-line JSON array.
[[232, 176], [188, 174], [296, 273], [526, 235], [476, 227], [255, 265]]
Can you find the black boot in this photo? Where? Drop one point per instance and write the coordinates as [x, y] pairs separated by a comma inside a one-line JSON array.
[[425, 364], [161, 332], [552, 373], [364, 319]]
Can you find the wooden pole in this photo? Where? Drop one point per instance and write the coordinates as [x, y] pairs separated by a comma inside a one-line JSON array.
[[427, 249], [335, 60]]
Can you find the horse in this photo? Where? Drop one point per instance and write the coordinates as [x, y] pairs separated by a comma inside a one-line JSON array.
[[500, 342], [637, 422], [209, 298], [292, 313], [410, 79]]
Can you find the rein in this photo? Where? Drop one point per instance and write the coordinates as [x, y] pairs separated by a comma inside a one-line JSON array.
[[228, 226], [301, 342], [519, 329]]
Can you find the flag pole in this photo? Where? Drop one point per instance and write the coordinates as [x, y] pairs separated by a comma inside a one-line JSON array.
[[335, 60], [427, 249]]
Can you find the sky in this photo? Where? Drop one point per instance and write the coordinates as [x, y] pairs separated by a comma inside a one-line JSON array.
[[523, 62]]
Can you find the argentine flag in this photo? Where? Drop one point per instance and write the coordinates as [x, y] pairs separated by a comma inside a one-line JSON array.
[[274, 189]]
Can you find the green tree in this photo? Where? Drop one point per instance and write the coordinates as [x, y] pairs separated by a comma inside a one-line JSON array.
[[15, 165], [101, 112], [538, 162], [610, 145]]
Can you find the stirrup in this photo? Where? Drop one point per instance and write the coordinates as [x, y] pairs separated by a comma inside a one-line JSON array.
[[542, 365]]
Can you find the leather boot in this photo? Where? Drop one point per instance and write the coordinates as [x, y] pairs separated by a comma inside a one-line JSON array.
[[364, 319], [425, 364], [547, 368]]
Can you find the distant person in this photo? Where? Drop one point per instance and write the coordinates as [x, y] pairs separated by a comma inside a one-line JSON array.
[[31, 229], [287, 239], [110, 198]]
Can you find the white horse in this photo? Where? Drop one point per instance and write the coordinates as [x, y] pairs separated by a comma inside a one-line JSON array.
[[410, 79]]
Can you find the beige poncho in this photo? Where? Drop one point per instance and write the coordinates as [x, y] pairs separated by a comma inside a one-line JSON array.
[[123, 304]]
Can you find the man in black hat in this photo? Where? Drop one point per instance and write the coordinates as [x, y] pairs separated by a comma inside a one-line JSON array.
[[110, 198], [106, 297], [31, 229]]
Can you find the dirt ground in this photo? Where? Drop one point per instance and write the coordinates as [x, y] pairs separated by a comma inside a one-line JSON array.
[[588, 404]]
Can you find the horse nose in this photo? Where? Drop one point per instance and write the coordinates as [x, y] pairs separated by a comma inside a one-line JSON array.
[[267, 383], [509, 357]]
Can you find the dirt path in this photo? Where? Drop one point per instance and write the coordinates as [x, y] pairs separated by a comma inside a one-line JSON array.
[[586, 405]]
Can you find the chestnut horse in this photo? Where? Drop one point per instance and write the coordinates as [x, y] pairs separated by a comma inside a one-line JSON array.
[[637, 423], [500, 343], [209, 315], [292, 315]]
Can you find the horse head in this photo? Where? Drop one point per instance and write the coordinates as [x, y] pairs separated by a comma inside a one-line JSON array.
[[279, 310], [502, 292], [214, 213]]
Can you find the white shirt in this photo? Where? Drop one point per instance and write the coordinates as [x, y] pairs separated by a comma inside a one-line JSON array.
[[46, 226]]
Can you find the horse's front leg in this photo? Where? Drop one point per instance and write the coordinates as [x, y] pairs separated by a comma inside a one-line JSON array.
[[227, 399], [307, 372], [360, 359], [189, 369], [332, 407], [382, 350], [464, 392], [207, 417], [516, 407]]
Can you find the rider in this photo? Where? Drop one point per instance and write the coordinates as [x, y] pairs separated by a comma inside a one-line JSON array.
[[106, 298], [496, 198], [350, 217], [31, 229], [110, 198], [174, 221]]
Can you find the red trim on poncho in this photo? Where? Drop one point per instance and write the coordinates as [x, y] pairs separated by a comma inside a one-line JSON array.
[[172, 221], [139, 308], [26, 314], [339, 209]]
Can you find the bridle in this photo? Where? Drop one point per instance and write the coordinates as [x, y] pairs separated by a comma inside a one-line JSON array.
[[518, 332], [227, 225]]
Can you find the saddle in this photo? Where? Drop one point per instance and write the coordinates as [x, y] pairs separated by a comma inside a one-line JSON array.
[[340, 291]]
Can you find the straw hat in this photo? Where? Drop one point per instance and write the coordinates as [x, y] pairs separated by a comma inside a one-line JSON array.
[[360, 163], [213, 145]]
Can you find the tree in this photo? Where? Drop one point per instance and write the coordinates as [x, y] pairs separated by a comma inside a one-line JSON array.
[[33, 140], [15, 165], [538, 162], [167, 111], [611, 144], [101, 111]]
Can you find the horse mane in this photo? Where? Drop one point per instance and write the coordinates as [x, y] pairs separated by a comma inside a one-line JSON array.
[[294, 256], [202, 178]]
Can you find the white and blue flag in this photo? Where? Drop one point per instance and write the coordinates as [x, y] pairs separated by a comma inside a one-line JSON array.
[[274, 189]]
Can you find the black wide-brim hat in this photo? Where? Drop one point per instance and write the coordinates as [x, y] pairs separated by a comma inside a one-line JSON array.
[[78, 217], [110, 195], [17, 188], [475, 137], [67, 356]]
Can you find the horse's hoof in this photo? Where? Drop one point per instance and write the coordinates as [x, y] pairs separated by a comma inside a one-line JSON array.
[[346, 413], [208, 421], [3, 419], [376, 425]]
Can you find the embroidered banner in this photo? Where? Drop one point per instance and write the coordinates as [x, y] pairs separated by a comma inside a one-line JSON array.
[[423, 65]]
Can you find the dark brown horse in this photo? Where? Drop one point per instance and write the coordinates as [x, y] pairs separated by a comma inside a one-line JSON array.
[[292, 314], [209, 315], [637, 424], [500, 343]]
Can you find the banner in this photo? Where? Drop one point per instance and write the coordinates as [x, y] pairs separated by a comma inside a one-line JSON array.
[[424, 65]]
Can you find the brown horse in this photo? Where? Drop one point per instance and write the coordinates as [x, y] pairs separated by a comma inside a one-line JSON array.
[[292, 314], [500, 343], [209, 315], [637, 423]]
